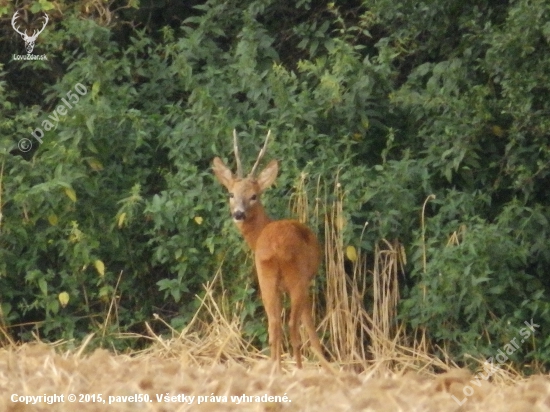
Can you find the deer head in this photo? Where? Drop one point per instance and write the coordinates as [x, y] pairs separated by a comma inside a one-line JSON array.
[[244, 192], [29, 40]]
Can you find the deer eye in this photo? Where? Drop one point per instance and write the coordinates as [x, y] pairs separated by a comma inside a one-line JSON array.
[[231, 195], [253, 197]]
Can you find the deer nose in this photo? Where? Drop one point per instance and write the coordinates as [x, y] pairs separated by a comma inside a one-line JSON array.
[[239, 215]]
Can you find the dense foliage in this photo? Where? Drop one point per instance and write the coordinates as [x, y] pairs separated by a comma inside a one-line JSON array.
[[399, 99]]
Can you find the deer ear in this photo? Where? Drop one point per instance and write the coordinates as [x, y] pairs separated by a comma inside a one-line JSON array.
[[222, 172], [268, 175]]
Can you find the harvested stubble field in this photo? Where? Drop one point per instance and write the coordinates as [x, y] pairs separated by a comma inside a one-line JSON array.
[[39, 369]]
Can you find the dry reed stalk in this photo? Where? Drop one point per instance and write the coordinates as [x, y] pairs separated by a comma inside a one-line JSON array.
[[113, 306], [423, 343], [299, 205], [346, 322], [385, 299], [5, 338]]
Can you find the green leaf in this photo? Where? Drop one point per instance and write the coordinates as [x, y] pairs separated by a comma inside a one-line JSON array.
[[95, 90], [36, 7], [71, 194], [43, 285], [53, 307], [100, 267], [90, 123], [5, 309], [46, 5]]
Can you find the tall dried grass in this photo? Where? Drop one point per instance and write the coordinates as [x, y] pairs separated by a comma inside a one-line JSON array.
[[356, 339]]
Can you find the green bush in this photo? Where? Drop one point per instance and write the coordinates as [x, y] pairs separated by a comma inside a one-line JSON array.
[[394, 100]]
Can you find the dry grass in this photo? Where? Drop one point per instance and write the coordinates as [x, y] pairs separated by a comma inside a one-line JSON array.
[[210, 358]]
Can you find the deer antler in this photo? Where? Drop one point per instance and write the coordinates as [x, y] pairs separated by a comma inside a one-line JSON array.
[[24, 34], [236, 149], [262, 152], [13, 19], [43, 26]]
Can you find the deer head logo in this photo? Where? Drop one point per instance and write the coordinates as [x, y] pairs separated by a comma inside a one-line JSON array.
[[29, 40]]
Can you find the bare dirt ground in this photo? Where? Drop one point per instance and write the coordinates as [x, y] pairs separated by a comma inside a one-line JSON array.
[[160, 383]]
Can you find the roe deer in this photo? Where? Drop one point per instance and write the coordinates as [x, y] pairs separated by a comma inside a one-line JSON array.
[[286, 253]]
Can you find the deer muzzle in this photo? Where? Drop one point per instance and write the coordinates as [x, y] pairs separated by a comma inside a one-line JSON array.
[[239, 215]]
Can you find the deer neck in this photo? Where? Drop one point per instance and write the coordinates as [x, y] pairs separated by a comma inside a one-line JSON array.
[[253, 225]]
